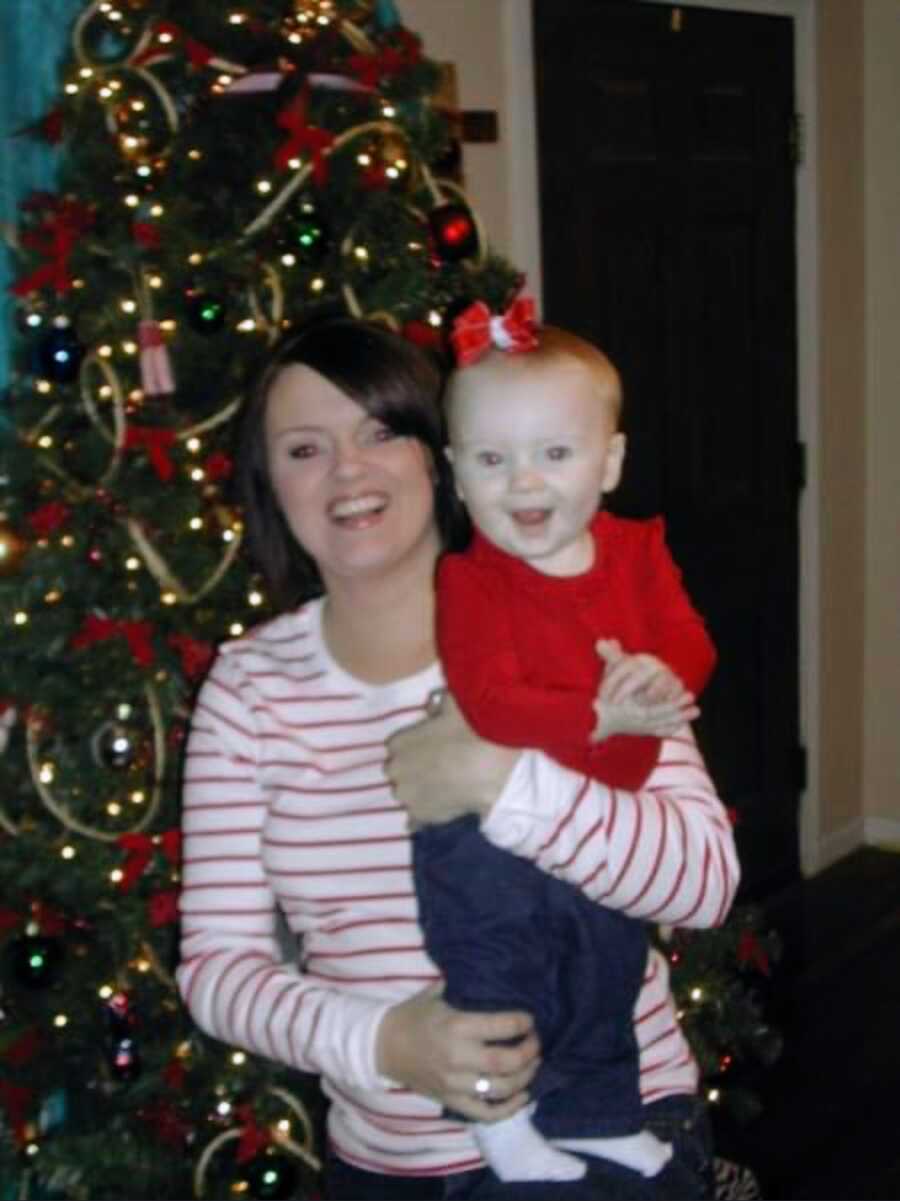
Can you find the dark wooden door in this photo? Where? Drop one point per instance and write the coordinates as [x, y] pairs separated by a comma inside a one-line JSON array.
[[667, 214]]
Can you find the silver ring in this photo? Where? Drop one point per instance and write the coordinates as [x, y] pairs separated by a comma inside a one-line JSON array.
[[435, 702], [483, 1087]]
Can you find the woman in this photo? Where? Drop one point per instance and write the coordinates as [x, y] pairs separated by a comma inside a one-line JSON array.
[[288, 803]]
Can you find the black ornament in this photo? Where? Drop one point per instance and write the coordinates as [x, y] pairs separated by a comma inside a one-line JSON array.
[[36, 960], [270, 1176], [205, 312], [59, 355], [114, 745], [454, 232]]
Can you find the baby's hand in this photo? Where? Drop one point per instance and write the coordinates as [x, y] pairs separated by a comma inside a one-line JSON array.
[[639, 694]]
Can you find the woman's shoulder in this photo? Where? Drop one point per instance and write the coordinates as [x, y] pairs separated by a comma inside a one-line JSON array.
[[274, 645]]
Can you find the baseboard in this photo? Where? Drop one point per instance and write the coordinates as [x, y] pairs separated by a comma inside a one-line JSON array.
[[861, 832], [882, 832], [841, 842]]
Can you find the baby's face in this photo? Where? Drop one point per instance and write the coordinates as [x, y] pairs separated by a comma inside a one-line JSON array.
[[534, 448]]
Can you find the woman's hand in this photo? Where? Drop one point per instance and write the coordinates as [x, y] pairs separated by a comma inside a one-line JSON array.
[[440, 769], [439, 1052]]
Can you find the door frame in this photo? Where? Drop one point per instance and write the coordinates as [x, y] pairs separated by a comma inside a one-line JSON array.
[[521, 164]]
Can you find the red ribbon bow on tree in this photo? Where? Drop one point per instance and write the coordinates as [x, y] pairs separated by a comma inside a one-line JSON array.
[[162, 908], [49, 921], [302, 136], [254, 1138], [371, 69], [157, 443], [476, 330], [140, 848], [137, 634], [751, 951], [49, 517], [195, 654], [55, 238]]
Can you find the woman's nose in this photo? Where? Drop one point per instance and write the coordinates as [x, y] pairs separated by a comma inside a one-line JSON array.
[[348, 460]]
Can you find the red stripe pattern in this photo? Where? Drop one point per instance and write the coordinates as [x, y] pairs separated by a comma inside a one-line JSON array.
[[287, 808]]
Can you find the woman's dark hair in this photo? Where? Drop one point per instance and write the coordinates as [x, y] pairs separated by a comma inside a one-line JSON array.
[[391, 379]]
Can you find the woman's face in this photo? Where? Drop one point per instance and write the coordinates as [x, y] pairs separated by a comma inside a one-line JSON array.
[[356, 496]]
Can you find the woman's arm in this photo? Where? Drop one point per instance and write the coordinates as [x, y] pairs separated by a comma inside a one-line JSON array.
[[664, 853], [232, 976]]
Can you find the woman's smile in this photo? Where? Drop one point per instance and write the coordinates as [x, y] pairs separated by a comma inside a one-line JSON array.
[[358, 512]]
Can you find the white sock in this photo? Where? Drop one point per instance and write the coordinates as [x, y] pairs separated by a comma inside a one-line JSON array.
[[642, 1152], [515, 1150]]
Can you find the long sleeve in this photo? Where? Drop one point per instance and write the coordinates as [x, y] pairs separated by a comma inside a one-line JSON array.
[[664, 854], [483, 671], [232, 975]]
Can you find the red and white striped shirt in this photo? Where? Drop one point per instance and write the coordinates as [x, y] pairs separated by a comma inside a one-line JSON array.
[[286, 805]]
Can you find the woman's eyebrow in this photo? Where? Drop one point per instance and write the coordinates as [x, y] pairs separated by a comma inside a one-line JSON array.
[[298, 429]]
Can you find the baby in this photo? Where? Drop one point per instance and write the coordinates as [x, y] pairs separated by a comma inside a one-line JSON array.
[[567, 629]]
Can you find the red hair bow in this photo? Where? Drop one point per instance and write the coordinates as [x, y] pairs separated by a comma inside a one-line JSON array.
[[476, 330]]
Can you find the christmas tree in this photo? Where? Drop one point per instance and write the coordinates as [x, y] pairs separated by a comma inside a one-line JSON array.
[[224, 173]]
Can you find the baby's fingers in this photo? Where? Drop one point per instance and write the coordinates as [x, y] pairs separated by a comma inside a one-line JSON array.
[[665, 719]]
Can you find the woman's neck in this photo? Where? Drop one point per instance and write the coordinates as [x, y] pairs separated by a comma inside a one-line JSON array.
[[379, 632]]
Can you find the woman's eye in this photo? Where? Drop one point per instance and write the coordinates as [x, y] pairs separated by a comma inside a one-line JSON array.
[[557, 453], [383, 433], [488, 458], [303, 450]]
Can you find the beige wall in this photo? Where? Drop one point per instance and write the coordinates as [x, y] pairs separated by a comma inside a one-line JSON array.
[[881, 94], [469, 33], [842, 409], [851, 629]]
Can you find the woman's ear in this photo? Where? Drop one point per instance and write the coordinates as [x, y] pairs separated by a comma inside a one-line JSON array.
[[615, 459]]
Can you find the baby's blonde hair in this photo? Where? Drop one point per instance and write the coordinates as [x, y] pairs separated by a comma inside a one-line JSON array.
[[555, 346]]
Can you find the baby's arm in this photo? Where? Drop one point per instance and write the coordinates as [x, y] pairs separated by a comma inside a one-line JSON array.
[[655, 691], [639, 694]]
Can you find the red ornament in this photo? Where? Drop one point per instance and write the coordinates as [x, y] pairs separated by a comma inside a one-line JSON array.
[[218, 466], [454, 232], [146, 234]]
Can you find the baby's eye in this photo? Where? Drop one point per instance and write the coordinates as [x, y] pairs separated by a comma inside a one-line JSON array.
[[557, 453], [488, 458]]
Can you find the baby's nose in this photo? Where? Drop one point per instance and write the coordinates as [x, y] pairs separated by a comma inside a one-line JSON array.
[[525, 477]]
